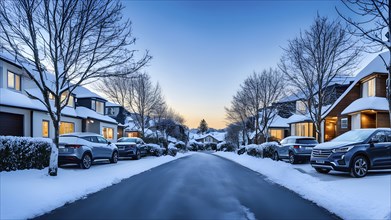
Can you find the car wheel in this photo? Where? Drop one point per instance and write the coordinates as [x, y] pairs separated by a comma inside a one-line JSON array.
[[275, 156], [359, 167], [114, 157], [292, 158], [138, 155], [322, 170], [86, 161]]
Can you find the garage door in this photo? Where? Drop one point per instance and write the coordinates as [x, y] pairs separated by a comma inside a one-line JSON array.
[[11, 124]]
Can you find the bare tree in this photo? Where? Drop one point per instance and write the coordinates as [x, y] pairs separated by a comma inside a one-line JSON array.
[[256, 96], [115, 88], [142, 99], [374, 28], [314, 58], [238, 113], [78, 40]]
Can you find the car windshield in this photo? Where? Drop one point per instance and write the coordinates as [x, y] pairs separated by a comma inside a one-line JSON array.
[[307, 141], [354, 136], [132, 140]]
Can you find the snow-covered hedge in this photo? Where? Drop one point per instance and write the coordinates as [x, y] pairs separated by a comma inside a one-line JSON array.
[[210, 146], [172, 150], [262, 150], [19, 153], [226, 146], [195, 146], [180, 145]]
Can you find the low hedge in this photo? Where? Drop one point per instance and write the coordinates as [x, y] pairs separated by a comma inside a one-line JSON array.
[[19, 153], [262, 150]]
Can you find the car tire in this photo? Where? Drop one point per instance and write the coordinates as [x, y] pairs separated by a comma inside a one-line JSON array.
[[359, 167], [275, 156], [86, 161], [322, 170], [114, 157], [292, 158], [138, 155]]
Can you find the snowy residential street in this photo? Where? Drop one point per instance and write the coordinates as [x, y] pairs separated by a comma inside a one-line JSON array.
[[200, 186], [29, 193], [347, 197]]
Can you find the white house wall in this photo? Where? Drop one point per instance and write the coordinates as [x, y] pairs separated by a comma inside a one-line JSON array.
[[107, 125], [356, 121], [26, 118], [38, 117]]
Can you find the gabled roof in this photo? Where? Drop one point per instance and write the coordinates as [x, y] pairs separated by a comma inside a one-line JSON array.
[[375, 66], [82, 92]]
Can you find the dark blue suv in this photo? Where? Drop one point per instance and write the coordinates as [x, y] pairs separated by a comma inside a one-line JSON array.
[[355, 151]]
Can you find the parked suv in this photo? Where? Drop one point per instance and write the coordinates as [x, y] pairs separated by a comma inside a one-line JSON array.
[[131, 147], [295, 148], [84, 148], [356, 151]]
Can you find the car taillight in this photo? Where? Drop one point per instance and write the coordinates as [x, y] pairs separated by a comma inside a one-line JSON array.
[[296, 146], [73, 145]]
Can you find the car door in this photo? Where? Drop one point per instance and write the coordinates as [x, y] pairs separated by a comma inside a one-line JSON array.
[[95, 147], [280, 147], [285, 147], [141, 145], [104, 147], [379, 150]]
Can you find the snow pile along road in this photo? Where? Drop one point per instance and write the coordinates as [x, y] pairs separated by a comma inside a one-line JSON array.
[[347, 197], [29, 193]]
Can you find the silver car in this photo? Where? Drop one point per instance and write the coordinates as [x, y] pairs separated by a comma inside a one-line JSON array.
[[83, 148]]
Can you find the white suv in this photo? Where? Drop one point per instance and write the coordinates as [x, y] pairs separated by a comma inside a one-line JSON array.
[[83, 148]]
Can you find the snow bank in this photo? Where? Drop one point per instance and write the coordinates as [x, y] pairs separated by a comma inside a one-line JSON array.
[[350, 198], [29, 193]]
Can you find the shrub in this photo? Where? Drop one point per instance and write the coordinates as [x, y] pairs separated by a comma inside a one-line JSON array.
[[172, 150], [210, 146], [18, 153], [195, 146], [226, 146], [262, 150], [180, 146], [154, 140]]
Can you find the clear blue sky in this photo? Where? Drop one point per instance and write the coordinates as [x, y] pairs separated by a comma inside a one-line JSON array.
[[203, 50]]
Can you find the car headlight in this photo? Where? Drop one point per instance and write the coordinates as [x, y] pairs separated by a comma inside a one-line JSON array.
[[342, 149]]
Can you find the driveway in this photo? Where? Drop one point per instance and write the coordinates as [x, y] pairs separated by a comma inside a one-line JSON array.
[[199, 186]]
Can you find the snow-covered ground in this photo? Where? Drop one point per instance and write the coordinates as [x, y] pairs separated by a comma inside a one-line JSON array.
[[28, 193], [349, 198]]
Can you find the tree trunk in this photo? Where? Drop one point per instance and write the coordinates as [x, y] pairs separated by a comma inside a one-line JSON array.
[[53, 164]]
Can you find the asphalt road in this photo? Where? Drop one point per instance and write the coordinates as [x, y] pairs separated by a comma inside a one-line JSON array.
[[200, 186]]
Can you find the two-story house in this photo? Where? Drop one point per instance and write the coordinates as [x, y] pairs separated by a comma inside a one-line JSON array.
[[363, 104], [21, 115]]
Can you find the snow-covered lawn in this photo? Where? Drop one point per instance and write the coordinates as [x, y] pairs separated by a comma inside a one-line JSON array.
[[28, 193], [349, 198]]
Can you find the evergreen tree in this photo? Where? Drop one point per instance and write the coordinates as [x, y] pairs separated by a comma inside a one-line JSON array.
[[203, 126]]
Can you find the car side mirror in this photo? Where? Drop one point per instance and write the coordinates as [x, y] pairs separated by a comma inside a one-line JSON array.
[[108, 143]]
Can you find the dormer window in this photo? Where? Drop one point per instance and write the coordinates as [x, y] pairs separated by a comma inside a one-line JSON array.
[[13, 81], [369, 88], [98, 106]]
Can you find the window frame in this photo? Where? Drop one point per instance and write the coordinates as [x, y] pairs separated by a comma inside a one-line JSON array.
[[48, 127], [14, 75], [343, 121], [67, 123], [106, 133]]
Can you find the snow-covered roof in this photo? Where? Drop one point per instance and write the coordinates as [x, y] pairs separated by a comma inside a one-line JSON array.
[[18, 99], [367, 103], [298, 118], [112, 104], [279, 122], [375, 66], [82, 92], [219, 136], [85, 113]]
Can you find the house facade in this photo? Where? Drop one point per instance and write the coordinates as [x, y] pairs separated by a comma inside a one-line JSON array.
[[21, 115], [363, 104]]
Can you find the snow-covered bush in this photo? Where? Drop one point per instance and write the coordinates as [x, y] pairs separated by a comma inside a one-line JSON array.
[[210, 146], [154, 150], [226, 146], [262, 150], [18, 153], [172, 150], [180, 145], [195, 146]]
